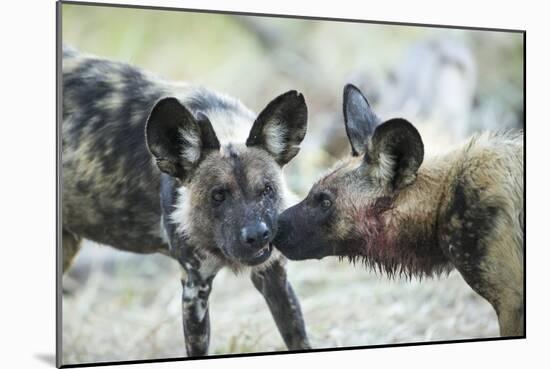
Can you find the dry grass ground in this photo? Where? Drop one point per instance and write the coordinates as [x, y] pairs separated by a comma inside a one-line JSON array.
[[122, 306]]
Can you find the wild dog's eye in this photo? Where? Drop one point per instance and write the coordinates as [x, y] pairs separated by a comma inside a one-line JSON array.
[[326, 203], [218, 195], [268, 190], [324, 200]]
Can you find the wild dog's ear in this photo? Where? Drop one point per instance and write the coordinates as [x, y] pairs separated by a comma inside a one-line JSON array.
[[396, 152], [359, 118], [281, 127], [176, 139]]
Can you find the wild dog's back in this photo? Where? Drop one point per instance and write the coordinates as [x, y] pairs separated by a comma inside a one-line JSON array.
[[493, 164], [110, 187], [110, 183]]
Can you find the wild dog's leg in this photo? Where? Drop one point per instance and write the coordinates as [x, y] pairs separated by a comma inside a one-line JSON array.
[[504, 294], [70, 244], [196, 319], [482, 236], [500, 282], [493, 267], [283, 304], [198, 272], [196, 281], [502, 273], [511, 318]]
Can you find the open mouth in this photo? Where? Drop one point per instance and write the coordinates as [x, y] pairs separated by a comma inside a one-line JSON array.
[[261, 252], [261, 255]]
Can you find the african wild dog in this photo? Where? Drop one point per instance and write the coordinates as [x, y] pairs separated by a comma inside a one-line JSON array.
[[385, 207], [153, 166]]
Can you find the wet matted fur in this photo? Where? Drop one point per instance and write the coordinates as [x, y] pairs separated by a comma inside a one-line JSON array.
[[400, 213]]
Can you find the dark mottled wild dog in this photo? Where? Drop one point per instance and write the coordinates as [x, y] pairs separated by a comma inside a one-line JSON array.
[[388, 208], [154, 166]]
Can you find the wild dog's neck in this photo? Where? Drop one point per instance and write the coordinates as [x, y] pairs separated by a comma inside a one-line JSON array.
[[401, 231]]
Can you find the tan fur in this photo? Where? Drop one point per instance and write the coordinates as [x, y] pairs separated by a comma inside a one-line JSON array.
[[494, 165], [489, 166]]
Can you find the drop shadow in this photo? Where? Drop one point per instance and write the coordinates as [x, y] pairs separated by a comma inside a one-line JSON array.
[[46, 358]]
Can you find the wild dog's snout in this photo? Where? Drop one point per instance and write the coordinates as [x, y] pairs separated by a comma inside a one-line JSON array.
[[256, 234], [282, 234], [283, 240]]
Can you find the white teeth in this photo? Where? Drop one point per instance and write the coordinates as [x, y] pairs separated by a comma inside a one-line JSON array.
[[261, 251]]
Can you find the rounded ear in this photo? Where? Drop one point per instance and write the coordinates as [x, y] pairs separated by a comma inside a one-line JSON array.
[[360, 120], [396, 152], [281, 127], [177, 140]]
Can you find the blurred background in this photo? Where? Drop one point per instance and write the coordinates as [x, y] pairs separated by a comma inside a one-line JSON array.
[[449, 83]]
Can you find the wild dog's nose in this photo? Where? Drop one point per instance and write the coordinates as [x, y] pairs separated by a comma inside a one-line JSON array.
[[256, 234]]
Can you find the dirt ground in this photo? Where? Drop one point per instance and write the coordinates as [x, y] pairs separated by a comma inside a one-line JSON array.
[[121, 306]]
